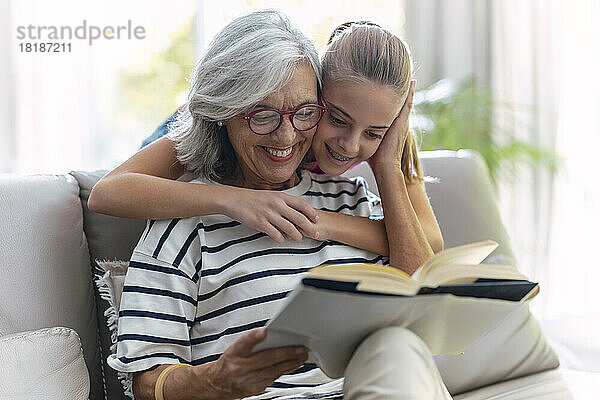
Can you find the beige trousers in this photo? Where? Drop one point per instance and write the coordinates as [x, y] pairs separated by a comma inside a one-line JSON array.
[[393, 364]]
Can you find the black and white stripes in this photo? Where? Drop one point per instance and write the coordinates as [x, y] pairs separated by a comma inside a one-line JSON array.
[[195, 285]]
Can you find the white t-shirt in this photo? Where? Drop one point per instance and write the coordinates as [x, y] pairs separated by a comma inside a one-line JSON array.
[[195, 285]]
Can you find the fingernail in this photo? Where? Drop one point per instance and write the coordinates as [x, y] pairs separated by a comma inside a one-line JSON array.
[[316, 218], [300, 350], [317, 235]]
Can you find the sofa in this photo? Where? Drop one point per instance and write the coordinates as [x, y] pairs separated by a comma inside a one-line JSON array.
[[54, 339]]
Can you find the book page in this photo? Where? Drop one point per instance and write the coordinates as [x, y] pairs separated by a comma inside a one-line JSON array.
[[468, 254], [352, 271], [455, 274], [369, 277]]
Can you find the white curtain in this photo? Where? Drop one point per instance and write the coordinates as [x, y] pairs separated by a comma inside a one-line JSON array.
[[55, 113], [542, 57], [527, 42], [449, 39], [7, 137], [573, 267], [546, 58], [65, 111]]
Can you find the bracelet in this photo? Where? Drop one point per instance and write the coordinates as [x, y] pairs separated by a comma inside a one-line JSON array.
[[160, 382]]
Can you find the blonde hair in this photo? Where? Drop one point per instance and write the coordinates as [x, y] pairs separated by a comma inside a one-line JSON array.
[[363, 51]]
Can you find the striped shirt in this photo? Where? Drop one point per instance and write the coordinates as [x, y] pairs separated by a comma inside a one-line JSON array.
[[195, 285]]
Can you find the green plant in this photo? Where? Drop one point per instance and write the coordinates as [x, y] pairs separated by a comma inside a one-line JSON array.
[[460, 116], [152, 93]]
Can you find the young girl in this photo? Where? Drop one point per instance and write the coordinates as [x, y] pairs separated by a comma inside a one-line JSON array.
[[368, 94]]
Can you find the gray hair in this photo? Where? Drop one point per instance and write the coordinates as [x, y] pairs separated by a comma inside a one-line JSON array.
[[253, 56]]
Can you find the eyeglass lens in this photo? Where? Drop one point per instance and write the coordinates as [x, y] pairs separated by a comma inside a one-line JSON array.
[[267, 121]]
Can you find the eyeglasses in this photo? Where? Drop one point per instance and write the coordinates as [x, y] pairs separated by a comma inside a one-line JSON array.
[[268, 120]]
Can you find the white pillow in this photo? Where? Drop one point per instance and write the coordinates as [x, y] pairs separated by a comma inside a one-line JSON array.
[[45, 364], [517, 347]]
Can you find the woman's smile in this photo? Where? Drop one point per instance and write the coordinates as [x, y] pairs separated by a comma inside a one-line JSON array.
[[280, 154]]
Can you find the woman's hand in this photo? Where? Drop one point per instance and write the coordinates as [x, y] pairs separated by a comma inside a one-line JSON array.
[[390, 149], [239, 373], [277, 214]]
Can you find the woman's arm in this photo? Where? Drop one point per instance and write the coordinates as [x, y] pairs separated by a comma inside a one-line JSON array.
[[409, 233], [237, 373], [422, 208], [408, 241], [185, 383], [144, 187], [360, 232], [409, 246], [370, 234]]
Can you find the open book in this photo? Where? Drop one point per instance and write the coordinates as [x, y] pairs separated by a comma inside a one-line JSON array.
[[450, 302]]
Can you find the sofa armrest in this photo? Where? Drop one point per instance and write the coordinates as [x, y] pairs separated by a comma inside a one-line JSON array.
[[43, 364]]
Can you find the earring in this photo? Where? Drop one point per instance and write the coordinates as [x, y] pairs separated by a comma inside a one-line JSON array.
[[220, 123]]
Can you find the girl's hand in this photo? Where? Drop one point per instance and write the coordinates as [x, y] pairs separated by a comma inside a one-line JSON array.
[[326, 224], [391, 147], [279, 215]]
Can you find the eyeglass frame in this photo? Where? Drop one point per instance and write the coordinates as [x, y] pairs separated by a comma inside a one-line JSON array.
[[282, 114]]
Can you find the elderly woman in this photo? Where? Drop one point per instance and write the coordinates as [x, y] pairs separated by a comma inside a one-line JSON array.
[[198, 289]]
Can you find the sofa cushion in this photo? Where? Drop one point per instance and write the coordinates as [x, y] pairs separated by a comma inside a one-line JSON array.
[[46, 364], [546, 385], [517, 347], [462, 198], [109, 238], [464, 201], [46, 278]]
